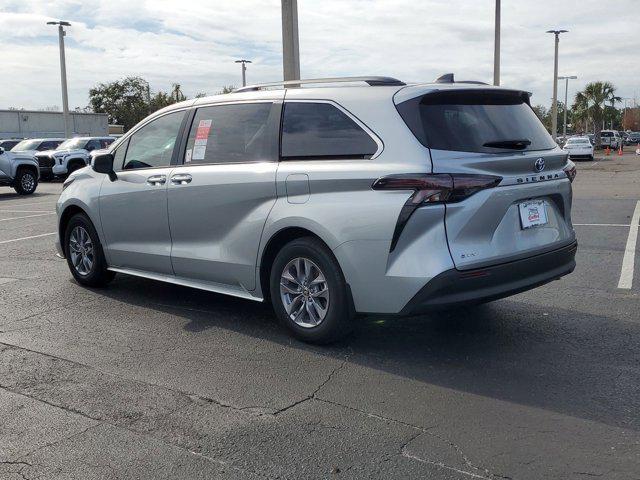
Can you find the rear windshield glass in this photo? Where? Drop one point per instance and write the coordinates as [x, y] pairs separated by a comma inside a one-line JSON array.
[[475, 121]]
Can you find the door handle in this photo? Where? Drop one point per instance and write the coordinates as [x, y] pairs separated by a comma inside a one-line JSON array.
[[157, 179], [181, 179]]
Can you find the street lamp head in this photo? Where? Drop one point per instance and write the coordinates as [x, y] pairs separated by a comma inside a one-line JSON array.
[[61, 23], [557, 32], [243, 61]]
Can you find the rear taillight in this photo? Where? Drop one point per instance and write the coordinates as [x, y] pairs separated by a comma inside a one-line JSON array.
[[437, 187], [570, 170], [429, 188]]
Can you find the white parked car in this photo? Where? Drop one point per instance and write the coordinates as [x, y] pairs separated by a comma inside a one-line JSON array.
[[579, 148]]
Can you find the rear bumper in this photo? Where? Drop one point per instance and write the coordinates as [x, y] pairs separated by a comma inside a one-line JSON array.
[[455, 288], [580, 156]]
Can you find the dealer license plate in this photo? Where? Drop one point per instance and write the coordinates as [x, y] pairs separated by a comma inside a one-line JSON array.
[[532, 213]]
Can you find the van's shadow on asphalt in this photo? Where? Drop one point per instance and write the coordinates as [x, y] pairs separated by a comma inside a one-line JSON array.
[[561, 360]]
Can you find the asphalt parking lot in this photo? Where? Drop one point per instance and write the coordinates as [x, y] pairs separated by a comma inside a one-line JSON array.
[[148, 380]]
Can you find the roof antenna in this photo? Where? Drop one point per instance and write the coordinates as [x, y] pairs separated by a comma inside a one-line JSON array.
[[446, 78]]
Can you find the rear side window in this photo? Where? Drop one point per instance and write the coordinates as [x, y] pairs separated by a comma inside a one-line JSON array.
[[232, 134], [316, 131], [475, 121]]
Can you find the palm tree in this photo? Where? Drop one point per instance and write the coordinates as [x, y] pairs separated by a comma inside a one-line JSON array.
[[589, 106]]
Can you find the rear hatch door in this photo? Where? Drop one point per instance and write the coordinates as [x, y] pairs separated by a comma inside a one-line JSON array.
[[495, 132]]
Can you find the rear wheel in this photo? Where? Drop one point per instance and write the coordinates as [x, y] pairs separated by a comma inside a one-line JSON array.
[[84, 253], [26, 182], [309, 293]]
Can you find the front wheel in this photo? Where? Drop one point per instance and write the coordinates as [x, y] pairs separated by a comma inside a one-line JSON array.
[[84, 253], [26, 182], [309, 293]]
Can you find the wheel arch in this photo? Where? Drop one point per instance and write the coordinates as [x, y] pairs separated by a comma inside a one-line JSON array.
[[28, 166], [275, 243], [66, 215]]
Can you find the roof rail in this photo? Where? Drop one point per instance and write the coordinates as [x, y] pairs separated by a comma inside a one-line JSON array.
[[448, 78], [372, 81]]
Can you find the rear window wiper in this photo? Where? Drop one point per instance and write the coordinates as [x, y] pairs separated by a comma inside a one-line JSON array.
[[519, 144]]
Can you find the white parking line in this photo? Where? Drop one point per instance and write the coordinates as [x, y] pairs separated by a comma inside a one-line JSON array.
[[628, 261], [600, 225], [27, 238], [25, 211], [27, 204], [26, 216]]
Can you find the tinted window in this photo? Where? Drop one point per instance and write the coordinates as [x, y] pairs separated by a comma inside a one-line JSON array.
[[152, 145], [92, 145], [320, 130], [606, 134], [8, 145], [475, 121], [105, 142], [231, 133], [50, 144]]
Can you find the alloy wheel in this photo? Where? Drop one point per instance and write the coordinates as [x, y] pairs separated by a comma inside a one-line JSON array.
[[304, 292], [81, 250], [27, 182]]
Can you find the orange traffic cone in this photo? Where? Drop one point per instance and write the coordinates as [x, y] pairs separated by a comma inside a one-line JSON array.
[[620, 150], [607, 151]]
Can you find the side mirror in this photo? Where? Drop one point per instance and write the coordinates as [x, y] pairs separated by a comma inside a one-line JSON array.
[[104, 164]]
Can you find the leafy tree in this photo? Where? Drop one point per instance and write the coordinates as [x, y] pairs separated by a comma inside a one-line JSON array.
[[130, 100], [226, 89], [125, 101], [589, 106]]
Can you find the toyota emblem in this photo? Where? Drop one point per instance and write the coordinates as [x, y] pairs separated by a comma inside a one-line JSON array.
[[539, 165]]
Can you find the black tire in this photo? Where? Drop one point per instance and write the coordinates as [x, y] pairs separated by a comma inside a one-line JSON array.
[[26, 182], [338, 319], [97, 275]]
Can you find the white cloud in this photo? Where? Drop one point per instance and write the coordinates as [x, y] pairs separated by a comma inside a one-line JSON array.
[[195, 43]]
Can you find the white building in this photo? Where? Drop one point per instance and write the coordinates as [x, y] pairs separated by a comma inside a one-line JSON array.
[[39, 124]]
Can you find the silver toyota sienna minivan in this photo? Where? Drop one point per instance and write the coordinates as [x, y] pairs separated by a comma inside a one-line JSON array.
[[329, 198]]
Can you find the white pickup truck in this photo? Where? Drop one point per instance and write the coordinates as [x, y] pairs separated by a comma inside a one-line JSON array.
[[70, 156]]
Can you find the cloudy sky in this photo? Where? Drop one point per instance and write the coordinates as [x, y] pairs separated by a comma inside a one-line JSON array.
[[194, 43]]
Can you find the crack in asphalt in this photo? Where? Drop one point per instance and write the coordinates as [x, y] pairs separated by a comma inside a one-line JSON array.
[[43, 312], [481, 472], [121, 427], [315, 392]]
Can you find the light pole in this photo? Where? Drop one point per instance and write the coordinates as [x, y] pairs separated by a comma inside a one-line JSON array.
[[63, 76], [566, 88], [554, 104], [496, 47], [244, 70], [290, 50]]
